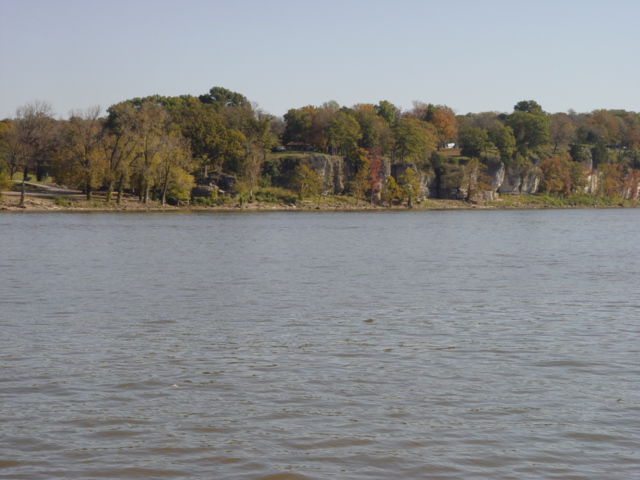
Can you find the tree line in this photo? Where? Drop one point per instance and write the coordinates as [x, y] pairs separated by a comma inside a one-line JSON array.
[[159, 147]]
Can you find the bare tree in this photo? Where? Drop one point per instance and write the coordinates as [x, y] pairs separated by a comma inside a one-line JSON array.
[[150, 131], [12, 149], [120, 147], [35, 130], [82, 147]]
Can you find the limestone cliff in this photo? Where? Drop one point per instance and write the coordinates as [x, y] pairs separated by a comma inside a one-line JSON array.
[[522, 177], [335, 171]]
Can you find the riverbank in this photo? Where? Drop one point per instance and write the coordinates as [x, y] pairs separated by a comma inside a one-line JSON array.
[[77, 203]]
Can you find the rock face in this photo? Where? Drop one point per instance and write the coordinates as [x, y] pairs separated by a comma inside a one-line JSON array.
[[521, 179], [496, 171], [398, 169], [335, 171], [227, 183], [516, 179], [221, 183]]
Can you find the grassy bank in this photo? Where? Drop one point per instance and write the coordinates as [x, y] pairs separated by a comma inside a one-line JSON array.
[[38, 200], [571, 201]]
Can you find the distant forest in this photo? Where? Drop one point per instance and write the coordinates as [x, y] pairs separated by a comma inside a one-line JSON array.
[[190, 149]]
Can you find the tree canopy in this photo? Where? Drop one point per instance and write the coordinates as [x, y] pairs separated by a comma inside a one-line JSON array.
[[155, 145]]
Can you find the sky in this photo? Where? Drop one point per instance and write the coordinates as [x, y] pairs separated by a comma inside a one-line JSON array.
[[471, 55]]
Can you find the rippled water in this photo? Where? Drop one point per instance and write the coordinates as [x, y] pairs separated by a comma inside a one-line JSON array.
[[285, 346]]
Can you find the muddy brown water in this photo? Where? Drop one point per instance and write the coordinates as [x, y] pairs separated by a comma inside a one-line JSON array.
[[288, 345]]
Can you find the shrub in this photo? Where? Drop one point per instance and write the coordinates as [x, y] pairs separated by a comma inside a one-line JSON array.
[[5, 181], [204, 201], [306, 182], [275, 195], [179, 191], [391, 192], [62, 202]]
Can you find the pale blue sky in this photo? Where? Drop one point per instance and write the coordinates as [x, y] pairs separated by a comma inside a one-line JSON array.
[[472, 55]]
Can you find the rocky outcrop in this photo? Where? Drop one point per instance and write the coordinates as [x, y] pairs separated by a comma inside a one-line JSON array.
[[222, 183], [447, 182], [335, 171], [398, 169], [521, 178]]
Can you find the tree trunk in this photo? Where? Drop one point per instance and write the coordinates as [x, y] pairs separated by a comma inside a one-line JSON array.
[[120, 188], [24, 186], [40, 169], [109, 190], [22, 193], [165, 186]]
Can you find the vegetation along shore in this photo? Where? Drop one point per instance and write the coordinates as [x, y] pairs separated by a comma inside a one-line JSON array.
[[220, 151]]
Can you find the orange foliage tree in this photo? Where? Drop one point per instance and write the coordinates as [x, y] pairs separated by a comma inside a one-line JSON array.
[[445, 122], [556, 176]]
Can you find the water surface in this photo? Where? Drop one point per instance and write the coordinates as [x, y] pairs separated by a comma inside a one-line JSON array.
[[288, 345]]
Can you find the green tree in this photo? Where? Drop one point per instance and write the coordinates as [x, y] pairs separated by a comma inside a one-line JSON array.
[[599, 154], [150, 130], [221, 98], [259, 131], [410, 185], [305, 182], [530, 127], [579, 174], [180, 185], [391, 192], [438, 164], [343, 133], [473, 141], [175, 158], [578, 154], [233, 153], [632, 157], [214, 146], [317, 132], [120, 147], [414, 139], [528, 106], [376, 132], [361, 181], [297, 124], [388, 111], [502, 137]]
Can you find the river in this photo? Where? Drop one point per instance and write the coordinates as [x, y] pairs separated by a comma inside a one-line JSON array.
[[322, 345]]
